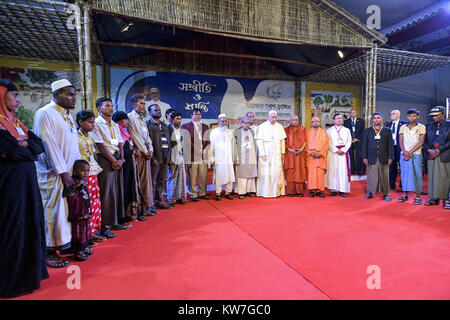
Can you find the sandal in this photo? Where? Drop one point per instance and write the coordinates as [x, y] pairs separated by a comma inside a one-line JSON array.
[[88, 251], [403, 198], [55, 261], [431, 202], [81, 256], [417, 201], [446, 205]]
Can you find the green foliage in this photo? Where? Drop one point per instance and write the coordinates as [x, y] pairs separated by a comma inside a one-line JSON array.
[[26, 116], [318, 101]]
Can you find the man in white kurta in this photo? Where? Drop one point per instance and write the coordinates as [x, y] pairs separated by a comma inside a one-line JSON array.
[[57, 129], [221, 155], [337, 177], [271, 148]]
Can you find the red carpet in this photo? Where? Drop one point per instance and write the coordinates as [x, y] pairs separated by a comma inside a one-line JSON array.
[[286, 248]]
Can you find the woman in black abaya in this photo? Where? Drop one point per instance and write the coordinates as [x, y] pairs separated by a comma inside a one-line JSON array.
[[22, 233]]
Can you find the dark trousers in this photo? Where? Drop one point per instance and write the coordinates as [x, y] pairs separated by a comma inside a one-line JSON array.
[[355, 158], [394, 167], [110, 183], [159, 180]]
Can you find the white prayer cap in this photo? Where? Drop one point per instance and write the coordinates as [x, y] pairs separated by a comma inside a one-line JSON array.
[[222, 115], [60, 84]]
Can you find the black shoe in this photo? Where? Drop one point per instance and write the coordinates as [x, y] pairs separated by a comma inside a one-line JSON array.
[[180, 201], [195, 199], [229, 196], [333, 194], [368, 196], [387, 198], [151, 212], [321, 195], [250, 195], [343, 195], [142, 218], [290, 195], [119, 227], [171, 204], [311, 194], [218, 198], [161, 205], [300, 195], [241, 196], [205, 197]]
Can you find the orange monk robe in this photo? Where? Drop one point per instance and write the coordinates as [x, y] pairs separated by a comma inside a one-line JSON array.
[[317, 142], [295, 165]]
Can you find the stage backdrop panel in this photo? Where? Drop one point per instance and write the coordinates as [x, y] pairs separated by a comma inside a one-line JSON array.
[[34, 78], [324, 100], [212, 94]]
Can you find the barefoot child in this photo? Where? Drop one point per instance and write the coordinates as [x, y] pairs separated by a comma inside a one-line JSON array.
[[80, 210]]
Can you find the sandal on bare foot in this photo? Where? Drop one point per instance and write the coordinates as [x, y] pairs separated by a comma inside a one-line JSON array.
[[431, 202], [81, 256], [55, 261]]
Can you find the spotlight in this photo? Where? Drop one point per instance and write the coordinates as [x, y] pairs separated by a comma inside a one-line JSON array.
[[340, 54], [126, 27]]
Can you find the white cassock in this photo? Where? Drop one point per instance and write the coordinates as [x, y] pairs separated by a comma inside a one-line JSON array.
[[336, 177], [60, 138], [221, 152], [270, 141]]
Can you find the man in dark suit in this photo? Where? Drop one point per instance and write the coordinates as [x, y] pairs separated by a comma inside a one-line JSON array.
[[356, 127], [437, 146], [160, 135], [195, 142], [395, 125], [377, 153]]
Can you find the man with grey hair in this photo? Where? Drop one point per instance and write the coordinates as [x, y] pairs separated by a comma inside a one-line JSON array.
[[251, 117], [395, 125], [271, 148], [246, 156], [221, 155], [155, 95]]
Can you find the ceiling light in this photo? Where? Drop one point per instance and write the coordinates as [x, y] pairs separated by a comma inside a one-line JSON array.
[[340, 54], [126, 27]]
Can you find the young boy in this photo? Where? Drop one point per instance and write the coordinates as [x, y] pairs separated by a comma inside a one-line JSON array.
[[412, 138], [80, 210]]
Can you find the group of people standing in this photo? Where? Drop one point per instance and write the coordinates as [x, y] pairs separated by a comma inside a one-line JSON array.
[[73, 182]]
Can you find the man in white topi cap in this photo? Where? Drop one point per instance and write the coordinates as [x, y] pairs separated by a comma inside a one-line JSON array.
[[221, 156], [57, 129]]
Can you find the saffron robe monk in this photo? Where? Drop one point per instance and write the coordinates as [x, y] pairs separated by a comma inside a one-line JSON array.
[[295, 159], [316, 151]]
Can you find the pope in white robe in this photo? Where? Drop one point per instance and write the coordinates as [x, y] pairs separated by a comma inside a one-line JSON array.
[[57, 129], [221, 155], [271, 148], [337, 177]]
